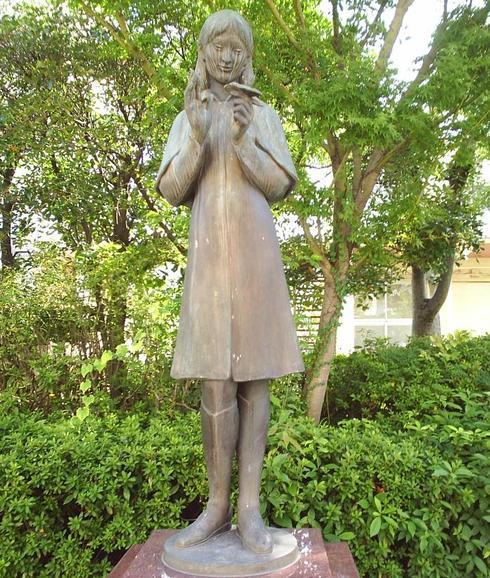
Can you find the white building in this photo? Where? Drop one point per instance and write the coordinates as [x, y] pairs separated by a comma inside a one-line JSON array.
[[467, 307]]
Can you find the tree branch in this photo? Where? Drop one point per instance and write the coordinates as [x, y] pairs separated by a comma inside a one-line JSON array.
[[434, 304], [300, 16], [278, 84], [356, 170], [392, 34], [316, 249], [377, 18], [336, 41], [122, 37], [427, 62], [151, 205], [368, 181], [287, 31]]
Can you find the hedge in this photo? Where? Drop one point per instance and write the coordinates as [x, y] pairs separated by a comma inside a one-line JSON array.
[[399, 383], [411, 502]]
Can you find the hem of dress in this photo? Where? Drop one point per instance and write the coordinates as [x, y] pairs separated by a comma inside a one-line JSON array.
[[270, 375]]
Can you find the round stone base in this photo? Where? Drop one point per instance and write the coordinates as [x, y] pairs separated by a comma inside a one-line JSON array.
[[225, 555]]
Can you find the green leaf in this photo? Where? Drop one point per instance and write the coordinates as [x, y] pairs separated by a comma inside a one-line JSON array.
[[412, 528], [100, 364], [135, 347], [283, 521], [480, 564], [88, 400], [122, 350], [375, 527], [85, 385], [86, 369], [106, 356], [82, 413], [347, 536]]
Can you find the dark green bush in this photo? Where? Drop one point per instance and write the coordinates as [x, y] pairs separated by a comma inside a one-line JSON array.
[[72, 495], [385, 380], [411, 502]]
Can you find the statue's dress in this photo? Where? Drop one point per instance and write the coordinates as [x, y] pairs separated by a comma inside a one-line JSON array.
[[236, 320]]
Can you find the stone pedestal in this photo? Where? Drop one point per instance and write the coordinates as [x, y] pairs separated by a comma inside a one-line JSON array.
[[316, 560]]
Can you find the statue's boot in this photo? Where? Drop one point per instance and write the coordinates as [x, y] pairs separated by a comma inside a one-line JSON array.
[[219, 433], [253, 403]]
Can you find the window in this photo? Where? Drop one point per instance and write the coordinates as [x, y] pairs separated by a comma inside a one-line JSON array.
[[387, 316]]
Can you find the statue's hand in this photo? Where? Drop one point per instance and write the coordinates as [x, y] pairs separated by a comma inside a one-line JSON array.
[[197, 111], [242, 114]]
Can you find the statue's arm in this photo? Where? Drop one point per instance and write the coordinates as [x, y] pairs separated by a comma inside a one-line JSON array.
[[181, 164], [265, 158]]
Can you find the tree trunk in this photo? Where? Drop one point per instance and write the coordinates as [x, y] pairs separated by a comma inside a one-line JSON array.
[[6, 235], [425, 318], [6, 208], [425, 309], [316, 387], [116, 310]]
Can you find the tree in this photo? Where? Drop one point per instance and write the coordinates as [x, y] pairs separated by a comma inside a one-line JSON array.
[[84, 137], [22, 115], [451, 230], [332, 82], [365, 121]]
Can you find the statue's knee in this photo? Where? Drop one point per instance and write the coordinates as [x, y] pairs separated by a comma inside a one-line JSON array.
[[218, 395]]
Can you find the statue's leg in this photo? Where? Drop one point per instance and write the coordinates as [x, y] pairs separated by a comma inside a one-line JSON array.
[[219, 421], [253, 403]]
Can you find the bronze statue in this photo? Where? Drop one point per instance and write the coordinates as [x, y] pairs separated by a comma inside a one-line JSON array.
[[228, 159]]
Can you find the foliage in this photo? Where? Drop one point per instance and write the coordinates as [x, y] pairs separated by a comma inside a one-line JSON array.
[[91, 90], [104, 486], [426, 377], [382, 140], [52, 325], [411, 501]]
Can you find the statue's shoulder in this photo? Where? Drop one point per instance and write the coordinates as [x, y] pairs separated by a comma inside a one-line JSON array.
[[179, 129], [180, 120], [266, 115], [262, 108]]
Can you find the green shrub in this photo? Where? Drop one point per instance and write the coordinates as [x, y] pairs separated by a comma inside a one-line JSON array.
[[71, 495], [57, 315], [411, 502], [385, 380]]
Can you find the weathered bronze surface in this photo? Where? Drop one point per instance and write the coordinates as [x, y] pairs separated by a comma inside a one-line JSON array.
[[227, 158], [317, 559]]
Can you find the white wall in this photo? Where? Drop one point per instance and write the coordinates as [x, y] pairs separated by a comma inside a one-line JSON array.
[[468, 308]]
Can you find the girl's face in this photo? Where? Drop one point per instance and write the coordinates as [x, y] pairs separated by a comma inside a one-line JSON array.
[[225, 57]]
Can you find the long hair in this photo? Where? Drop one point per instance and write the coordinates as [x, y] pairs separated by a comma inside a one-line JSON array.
[[216, 24]]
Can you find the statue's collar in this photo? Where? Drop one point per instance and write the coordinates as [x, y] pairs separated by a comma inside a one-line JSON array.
[[209, 95]]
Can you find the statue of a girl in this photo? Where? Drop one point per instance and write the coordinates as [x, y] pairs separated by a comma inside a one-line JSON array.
[[227, 157]]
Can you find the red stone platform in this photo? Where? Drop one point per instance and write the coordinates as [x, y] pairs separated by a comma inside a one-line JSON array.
[[318, 559]]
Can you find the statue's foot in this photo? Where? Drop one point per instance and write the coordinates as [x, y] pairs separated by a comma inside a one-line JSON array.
[[210, 523], [253, 533]]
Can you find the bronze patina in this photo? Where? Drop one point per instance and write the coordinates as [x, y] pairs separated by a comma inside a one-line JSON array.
[[227, 158]]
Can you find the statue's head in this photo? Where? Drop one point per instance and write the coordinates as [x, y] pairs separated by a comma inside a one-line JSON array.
[[225, 50]]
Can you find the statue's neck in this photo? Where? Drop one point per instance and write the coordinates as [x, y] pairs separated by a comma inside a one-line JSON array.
[[218, 89]]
